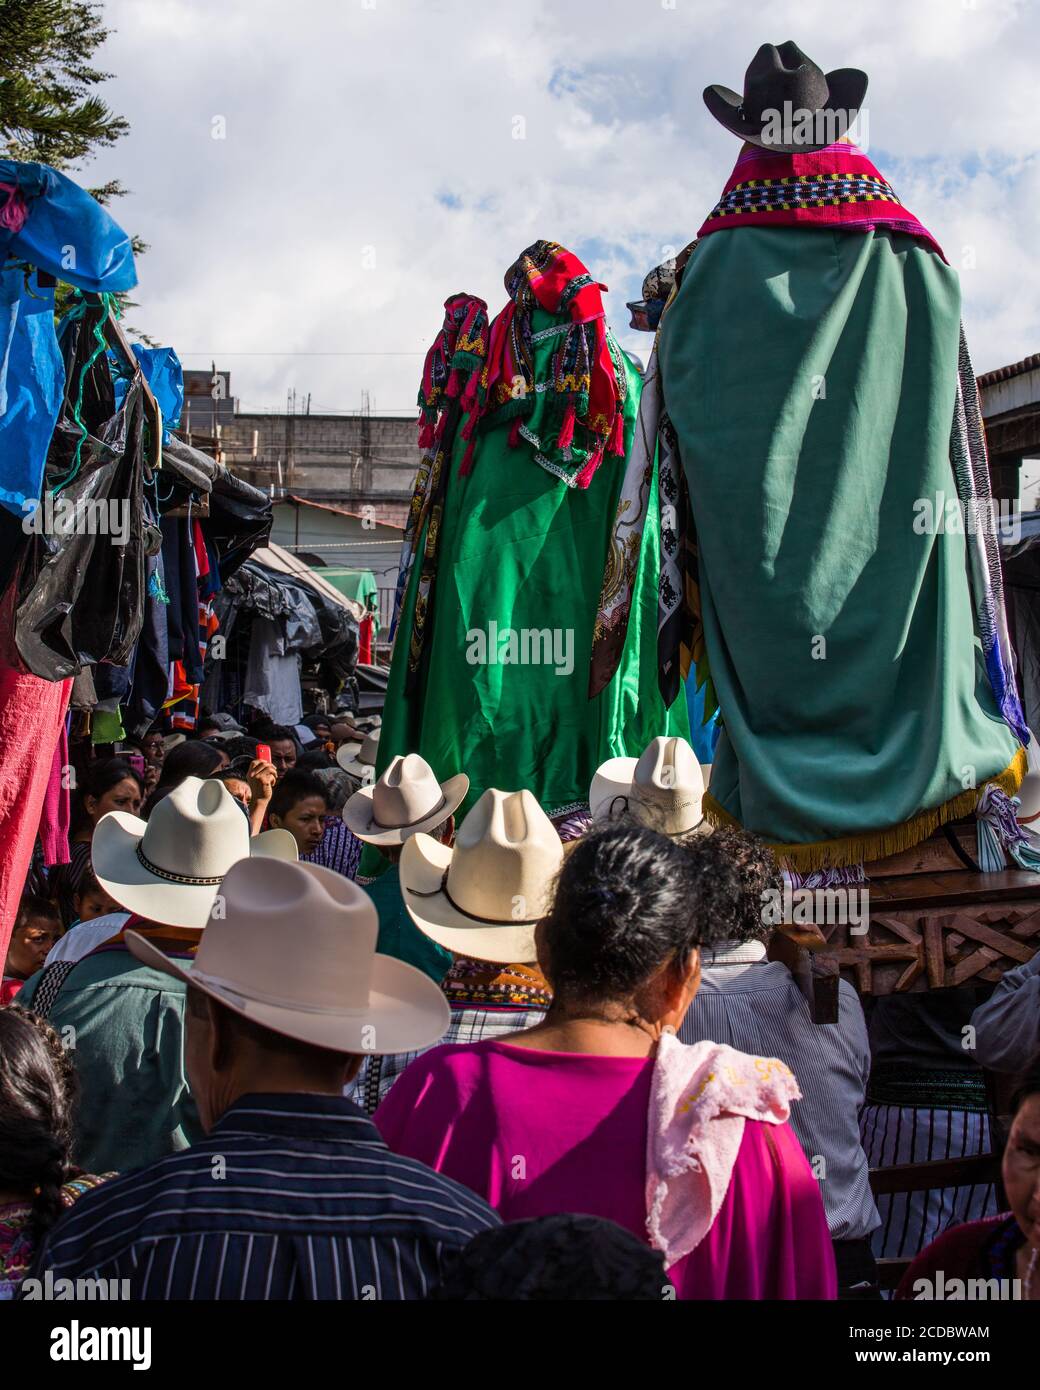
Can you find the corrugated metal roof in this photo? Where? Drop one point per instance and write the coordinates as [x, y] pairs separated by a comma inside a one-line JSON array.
[[1028, 364]]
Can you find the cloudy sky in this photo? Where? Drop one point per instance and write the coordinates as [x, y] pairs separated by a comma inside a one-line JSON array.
[[373, 156]]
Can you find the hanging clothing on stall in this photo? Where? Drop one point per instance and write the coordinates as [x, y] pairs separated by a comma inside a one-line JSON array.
[[32, 721], [272, 682], [43, 214]]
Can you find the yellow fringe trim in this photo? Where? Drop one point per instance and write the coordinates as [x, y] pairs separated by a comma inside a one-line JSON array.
[[879, 844]]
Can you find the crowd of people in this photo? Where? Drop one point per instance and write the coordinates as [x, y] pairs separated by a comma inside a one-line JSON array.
[[232, 1067]]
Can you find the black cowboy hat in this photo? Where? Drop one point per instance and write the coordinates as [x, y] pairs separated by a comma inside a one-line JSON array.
[[779, 75]]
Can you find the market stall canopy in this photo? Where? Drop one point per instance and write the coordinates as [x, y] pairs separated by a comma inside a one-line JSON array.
[[275, 558]]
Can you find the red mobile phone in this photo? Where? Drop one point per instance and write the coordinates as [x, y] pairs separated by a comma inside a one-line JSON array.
[[263, 752]]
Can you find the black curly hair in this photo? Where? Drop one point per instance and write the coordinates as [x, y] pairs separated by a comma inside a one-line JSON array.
[[734, 871], [551, 1258], [625, 903], [37, 1104], [628, 900], [101, 776]]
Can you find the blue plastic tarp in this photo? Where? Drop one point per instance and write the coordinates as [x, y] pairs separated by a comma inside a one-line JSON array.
[[49, 222], [162, 371]]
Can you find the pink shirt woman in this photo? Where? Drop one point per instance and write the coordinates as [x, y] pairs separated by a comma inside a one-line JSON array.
[[558, 1119]]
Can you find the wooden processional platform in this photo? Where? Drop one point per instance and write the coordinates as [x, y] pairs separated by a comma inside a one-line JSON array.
[[933, 924]]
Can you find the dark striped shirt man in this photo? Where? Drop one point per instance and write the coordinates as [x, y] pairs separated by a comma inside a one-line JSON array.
[[290, 1196]]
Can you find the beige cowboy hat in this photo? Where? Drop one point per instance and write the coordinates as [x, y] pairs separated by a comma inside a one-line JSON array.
[[1027, 812], [323, 983], [663, 788], [484, 897], [405, 801], [170, 867], [359, 759]]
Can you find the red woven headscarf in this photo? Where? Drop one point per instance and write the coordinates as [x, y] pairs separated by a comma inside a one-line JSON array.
[[584, 382]]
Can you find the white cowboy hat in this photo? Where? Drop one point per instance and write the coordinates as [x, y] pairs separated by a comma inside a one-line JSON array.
[[663, 788], [1028, 794], [170, 867], [407, 799], [485, 897], [295, 952], [359, 759]]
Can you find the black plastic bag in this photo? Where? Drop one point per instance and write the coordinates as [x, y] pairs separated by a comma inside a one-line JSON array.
[[239, 522], [81, 583]]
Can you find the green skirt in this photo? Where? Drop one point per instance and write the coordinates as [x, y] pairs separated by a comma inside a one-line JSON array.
[[504, 694], [811, 377]]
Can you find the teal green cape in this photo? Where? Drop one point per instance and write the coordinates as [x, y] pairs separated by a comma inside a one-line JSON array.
[[811, 377]]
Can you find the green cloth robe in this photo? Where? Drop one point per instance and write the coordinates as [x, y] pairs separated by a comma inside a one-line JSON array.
[[398, 935], [521, 550], [811, 378]]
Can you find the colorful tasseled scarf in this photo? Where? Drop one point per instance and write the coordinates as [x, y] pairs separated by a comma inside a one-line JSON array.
[[452, 371], [584, 392], [834, 187], [450, 395]]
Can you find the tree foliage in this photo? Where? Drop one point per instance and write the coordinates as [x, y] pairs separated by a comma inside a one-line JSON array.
[[49, 111]]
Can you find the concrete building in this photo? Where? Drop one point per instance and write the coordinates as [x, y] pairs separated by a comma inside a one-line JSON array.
[[1011, 410], [326, 533], [354, 461]]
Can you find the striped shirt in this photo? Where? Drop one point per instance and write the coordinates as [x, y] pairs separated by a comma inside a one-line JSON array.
[[289, 1197], [756, 1006], [378, 1074], [338, 849], [486, 1001]]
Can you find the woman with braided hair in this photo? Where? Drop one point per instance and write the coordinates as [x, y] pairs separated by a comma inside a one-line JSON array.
[[37, 1177]]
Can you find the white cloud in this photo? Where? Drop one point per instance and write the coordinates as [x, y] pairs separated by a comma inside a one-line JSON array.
[[392, 127]]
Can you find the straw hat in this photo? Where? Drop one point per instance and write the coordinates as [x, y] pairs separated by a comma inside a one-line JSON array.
[[663, 788], [359, 759], [484, 897], [407, 799], [295, 951], [170, 867]]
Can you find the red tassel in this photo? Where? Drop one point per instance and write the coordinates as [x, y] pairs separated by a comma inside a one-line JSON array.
[[591, 464], [466, 466], [514, 433], [426, 434], [566, 435], [617, 435], [454, 385]]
